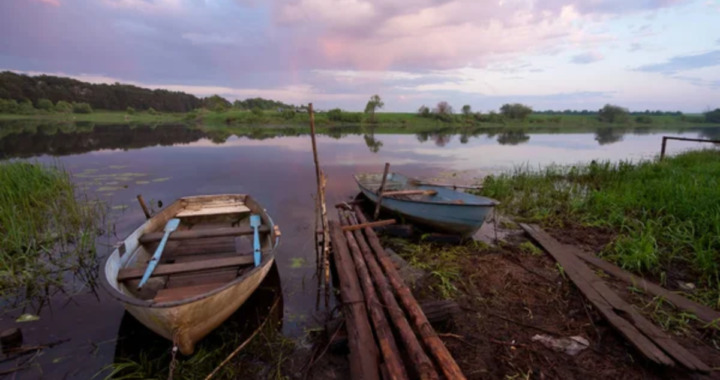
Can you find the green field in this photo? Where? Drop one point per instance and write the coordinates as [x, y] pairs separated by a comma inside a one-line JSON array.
[[98, 117]]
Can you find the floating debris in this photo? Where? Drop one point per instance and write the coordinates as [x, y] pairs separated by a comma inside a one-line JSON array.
[[27, 318]]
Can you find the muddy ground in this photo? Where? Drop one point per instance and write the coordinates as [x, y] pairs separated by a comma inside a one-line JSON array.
[[511, 293]]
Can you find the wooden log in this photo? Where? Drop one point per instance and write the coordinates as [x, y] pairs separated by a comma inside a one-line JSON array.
[[380, 223], [380, 191], [704, 313], [646, 337], [435, 345], [422, 364], [364, 355], [201, 234], [195, 266], [440, 311], [388, 347]]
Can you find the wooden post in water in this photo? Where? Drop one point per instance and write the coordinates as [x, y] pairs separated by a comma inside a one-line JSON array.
[[380, 191], [321, 211], [662, 150], [144, 206]]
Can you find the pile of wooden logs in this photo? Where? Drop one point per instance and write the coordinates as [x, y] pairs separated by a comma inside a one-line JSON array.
[[388, 334]]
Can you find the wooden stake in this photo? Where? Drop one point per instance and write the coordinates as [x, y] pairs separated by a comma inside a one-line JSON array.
[[144, 206], [388, 348], [380, 191], [417, 356], [436, 346], [364, 355], [321, 211]]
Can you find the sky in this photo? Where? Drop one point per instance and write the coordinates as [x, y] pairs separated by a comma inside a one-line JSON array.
[[549, 54]]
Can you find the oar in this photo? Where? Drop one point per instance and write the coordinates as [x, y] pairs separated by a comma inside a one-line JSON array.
[[171, 226], [255, 223]]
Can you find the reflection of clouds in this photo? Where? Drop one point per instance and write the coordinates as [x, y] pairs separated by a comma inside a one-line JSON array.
[[293, 143]]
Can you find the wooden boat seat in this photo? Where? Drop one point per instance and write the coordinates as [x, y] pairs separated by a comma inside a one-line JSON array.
[[208, 211], [167, 269], [202, 234], [177, 294]]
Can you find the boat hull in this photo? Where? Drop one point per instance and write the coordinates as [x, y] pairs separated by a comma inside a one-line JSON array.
[[459, 219], [187, 324]]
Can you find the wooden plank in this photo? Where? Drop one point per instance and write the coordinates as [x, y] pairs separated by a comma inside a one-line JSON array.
[[167, 269], [208, 211], [704, 313], [224, 275], [434, 344], [364, 355], [203, 257], [176, 294], [645, 336], [421, 362], [380, 191], [386, 341], [201, 234], [381, 223]]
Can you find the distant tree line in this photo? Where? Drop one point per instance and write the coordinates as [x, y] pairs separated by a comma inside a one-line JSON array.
[[25, 107], [262, 104], [115, 97]]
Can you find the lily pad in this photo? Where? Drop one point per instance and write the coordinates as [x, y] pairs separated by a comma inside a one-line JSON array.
[[112, 183], [297, 262], [117, 166], [90, 170], [108, 188], [161, 179], [142, 182], [27, 318], [120, 207]]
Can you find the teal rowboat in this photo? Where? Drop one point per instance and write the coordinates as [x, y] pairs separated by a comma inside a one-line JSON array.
[[446, 210]]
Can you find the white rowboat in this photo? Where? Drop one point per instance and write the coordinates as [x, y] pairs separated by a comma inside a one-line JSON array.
[[205, 273]]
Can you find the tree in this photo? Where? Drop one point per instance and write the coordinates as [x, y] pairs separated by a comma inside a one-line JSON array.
[[216, 102], [256, 111], [82, 108], [372, 105], [613, 114], [712, 116], [423, 111], [516, 111], [26, 108], [8, 106], [130, 111], [152, 111], [44, 104], [443, 111], [467, 110], [63, 106]]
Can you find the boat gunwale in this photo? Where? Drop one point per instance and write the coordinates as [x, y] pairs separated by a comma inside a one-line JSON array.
[[492, 203], [120, 296]]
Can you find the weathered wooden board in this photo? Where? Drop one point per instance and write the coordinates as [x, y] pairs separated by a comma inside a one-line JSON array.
[[207, 211], [706, 314], [201, 234], [646, 337], [195, 266]]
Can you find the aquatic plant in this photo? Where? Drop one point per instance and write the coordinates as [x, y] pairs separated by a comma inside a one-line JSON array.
[[47, 230]]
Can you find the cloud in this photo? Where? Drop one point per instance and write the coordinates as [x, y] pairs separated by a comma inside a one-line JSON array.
[[714, 84], [635, 47], [51, 2], [209, 39], [587, 58], [683, 63], [717, 42]]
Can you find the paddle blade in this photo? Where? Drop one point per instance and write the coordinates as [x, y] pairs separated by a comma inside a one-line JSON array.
[[172, 225], [255, 221]]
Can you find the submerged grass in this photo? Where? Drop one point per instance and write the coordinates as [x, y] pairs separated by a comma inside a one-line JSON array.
[[666, 214], [47, 230]]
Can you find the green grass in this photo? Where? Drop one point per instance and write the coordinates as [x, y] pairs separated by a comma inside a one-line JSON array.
[[666, 214], [47, 229], [99, 116]]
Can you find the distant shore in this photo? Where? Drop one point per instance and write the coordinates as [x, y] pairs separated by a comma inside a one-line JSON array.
[[385, 120]]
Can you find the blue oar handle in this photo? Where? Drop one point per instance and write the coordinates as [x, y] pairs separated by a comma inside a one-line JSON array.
[[154, 260], [256, 246]]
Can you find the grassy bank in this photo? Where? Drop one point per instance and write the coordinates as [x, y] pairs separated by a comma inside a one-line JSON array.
[[666, 215], [46, 229], [98, 117]]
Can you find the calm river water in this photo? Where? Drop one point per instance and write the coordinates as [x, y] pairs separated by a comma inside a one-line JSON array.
[[117, 162]]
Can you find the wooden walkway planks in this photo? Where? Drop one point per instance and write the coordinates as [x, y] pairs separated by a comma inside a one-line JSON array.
[[646, 337], [706, 314], [364, 355]]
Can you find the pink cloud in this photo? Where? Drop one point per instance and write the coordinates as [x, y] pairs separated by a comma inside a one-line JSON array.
[[55, 3], [442, 34]]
